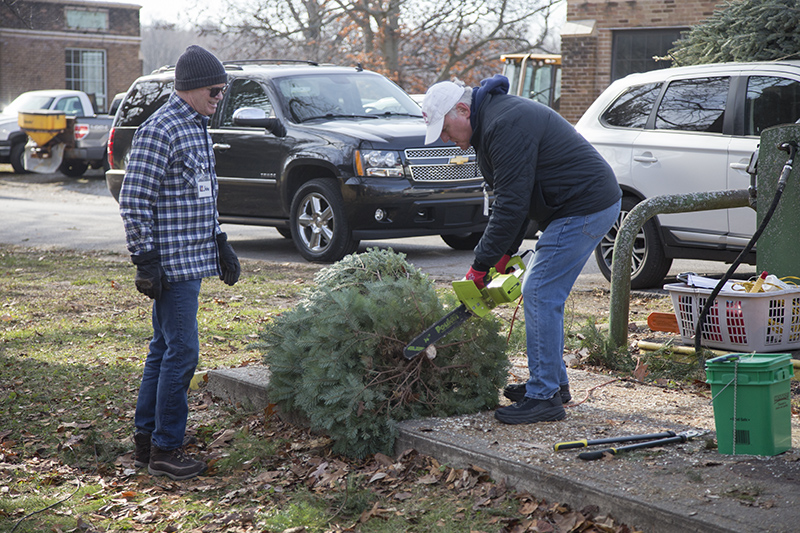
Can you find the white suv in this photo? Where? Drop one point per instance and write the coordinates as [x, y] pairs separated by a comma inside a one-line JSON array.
[[683, 130]]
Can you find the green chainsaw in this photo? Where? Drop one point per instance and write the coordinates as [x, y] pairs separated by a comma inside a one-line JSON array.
[[500, 289]]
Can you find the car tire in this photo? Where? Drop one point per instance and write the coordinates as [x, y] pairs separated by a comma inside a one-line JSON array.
[[463, 241], [73, 169], [318, 224], [649, 264], [18, 158]]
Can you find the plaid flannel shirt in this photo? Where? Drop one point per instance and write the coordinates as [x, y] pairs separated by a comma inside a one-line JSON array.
[[160, 202]]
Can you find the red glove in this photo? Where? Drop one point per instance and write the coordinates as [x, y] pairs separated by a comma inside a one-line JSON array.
[[477, 276], [501, 265]]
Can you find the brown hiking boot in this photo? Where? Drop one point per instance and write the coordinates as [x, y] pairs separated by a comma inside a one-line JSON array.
[[174, 463]]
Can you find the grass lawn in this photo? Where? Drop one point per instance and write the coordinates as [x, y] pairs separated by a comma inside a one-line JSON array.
[[73, 337]]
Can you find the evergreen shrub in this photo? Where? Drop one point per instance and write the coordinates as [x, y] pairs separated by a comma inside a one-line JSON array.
[[743, 30], [336, 359]]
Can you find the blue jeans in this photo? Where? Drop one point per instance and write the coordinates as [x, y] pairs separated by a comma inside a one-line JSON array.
[[162, 407], [560, 255]]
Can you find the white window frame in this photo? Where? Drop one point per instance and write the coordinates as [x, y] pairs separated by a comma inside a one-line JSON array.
[[78, 75]]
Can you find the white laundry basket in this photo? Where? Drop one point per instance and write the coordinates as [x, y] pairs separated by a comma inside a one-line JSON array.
[[739, 321]]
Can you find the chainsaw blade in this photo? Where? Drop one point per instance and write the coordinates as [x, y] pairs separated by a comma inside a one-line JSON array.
[[445, 325]]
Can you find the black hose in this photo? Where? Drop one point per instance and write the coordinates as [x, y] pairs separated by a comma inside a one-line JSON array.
[[791, 148]]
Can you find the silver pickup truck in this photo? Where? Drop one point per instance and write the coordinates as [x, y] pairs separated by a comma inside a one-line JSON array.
[[90, 130]]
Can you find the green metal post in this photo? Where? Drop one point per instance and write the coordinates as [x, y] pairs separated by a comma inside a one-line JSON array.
[[779, 247], [623, 245]]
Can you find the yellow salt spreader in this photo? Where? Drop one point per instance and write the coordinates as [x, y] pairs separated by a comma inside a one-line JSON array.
[[49, 133]]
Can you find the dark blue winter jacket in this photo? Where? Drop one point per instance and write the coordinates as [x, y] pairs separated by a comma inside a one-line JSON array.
[[538, 165]]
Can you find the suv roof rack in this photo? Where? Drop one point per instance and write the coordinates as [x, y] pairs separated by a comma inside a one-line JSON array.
[[164, 68], [276, 61], [236, 62]]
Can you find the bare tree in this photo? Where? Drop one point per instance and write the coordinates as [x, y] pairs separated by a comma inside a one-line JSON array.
[[287, 29], [477, 31], [379, 29], [163, 43], [414, 42]]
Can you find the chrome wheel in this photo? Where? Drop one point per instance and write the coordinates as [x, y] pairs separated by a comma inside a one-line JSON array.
[[319, 227], [315, 223]]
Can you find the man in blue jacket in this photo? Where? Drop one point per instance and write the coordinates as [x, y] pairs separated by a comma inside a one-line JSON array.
[[539, 168], [168, 204]]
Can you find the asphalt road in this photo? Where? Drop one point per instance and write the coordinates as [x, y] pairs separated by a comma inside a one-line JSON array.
[[52, 211]]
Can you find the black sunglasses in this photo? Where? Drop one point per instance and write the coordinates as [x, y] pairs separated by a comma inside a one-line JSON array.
[[214, 91]]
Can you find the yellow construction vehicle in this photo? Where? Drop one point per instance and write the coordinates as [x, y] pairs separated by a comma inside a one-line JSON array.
[[534, 76]]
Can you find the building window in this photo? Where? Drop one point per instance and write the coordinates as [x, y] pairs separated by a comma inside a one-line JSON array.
[[633, 50], [85, 20], [86, 71]]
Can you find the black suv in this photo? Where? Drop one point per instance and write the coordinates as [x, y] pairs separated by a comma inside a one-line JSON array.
[[327, 155]]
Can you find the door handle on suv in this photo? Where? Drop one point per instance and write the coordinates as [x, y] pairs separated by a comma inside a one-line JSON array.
[[221, 146], [739, 166], [646, 157]]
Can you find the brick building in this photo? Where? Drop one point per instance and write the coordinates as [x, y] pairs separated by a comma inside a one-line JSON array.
[[604, 40], [68, 44]]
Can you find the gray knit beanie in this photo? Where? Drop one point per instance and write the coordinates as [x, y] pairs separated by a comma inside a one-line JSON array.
[[197, 67]]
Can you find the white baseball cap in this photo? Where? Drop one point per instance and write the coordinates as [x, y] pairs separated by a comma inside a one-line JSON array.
[[439, 100]]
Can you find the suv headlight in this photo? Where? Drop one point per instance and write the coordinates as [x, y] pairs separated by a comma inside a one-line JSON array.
[[383, 163]]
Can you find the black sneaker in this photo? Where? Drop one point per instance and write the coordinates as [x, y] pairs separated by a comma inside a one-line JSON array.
[[141, 454], [174, 464], [516, 393], [530, 410]]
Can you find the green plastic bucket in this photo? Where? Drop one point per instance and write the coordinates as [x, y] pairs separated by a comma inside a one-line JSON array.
[[760, 384]]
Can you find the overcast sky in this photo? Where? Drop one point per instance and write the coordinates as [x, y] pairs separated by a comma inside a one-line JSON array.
[[178, 10], [173, 10]]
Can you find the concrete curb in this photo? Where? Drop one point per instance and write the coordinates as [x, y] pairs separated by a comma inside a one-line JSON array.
[[246, 385], [541, 483], [670, 514]]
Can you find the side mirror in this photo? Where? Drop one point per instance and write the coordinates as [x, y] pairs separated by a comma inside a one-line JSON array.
[[256, 118]]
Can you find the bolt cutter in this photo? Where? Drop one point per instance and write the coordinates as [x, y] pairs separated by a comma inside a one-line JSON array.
[[651, 441]]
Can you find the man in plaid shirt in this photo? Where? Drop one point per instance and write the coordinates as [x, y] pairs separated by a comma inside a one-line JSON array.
[[168, 204]]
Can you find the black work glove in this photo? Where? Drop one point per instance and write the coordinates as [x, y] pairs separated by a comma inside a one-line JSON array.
[[228, 262], [150, 278]]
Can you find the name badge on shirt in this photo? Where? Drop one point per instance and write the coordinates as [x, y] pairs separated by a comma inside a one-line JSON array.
[[204, 187]]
